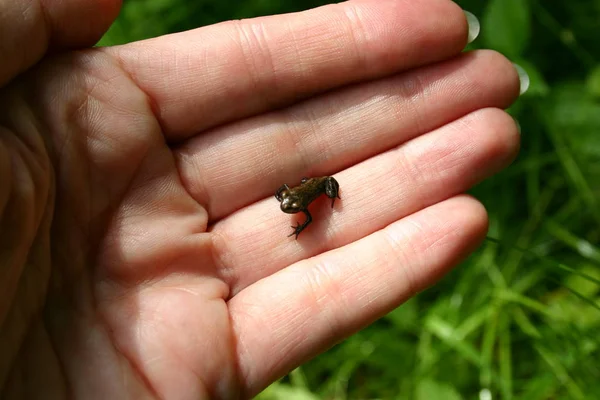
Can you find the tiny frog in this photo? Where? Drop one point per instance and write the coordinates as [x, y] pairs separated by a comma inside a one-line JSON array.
[[298, 198]]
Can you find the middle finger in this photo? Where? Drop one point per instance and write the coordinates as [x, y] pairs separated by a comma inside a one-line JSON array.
[[236, 165]]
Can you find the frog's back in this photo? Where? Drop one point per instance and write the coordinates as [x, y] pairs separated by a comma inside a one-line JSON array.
[[312, 188]]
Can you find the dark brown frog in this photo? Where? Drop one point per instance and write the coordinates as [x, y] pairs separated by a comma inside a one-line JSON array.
[[298, 198]]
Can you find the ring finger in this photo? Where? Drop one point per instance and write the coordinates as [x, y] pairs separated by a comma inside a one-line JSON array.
[[252, 244]]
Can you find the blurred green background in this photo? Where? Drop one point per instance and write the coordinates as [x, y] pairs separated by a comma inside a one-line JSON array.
[[521, 318]]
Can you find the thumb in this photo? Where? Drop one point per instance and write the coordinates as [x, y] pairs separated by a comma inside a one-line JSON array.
[[29, 28]]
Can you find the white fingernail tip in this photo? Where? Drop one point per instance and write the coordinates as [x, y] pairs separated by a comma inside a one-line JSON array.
[[523, 78], [474, 26]]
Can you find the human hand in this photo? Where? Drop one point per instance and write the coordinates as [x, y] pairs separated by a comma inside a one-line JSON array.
[[143, 252]]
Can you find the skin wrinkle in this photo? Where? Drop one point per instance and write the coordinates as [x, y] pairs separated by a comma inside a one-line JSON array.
[[247, 39], [130, 76], [22, 188], [28, 141], [18, 369], [5, 171], [21, 318], [409, 173], [357, 33], [301, 156], [438, 161], [254, 46], [351, 269], [61, 365], [25, 181], [131, 359], [321, 150], [371, 300], [238, 346], [444, 239], [411, 92], [194, 183], [21, 194], [303, 315], [246, 374], [294, 42], [303, 130], [135, 367], [23, 61], [219, 255], [77, 314], [503, 126], [417, 257], [322, 288], [80, 113], [182, 361]]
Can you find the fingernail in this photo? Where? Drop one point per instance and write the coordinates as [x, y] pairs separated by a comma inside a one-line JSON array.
[[474, 26], [523, 78]]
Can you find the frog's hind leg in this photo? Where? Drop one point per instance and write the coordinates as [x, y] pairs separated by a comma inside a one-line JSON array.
[[300, 227], [332, 189]]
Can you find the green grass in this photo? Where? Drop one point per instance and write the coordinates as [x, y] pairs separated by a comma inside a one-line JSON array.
[[520, 319]]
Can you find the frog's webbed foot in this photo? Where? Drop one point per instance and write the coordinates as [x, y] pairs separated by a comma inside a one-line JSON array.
[[332, 188], [297, 229], [300, 227]]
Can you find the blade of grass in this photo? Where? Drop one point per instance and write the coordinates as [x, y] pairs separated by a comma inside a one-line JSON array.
[[540, 387], [487, 349], [532, 164], [504, 358], [546, 259], [570, 165], [525, 324], [532, 175], [297, 378], [473, 322], [552, 24], [534, 305], [580, 296], [560, 371], [538, 212], [583, 247], [529, 280], [446, 333]]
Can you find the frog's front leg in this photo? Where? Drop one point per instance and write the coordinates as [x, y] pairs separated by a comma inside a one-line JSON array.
[[278, 193], [300, 227], [332, 188]]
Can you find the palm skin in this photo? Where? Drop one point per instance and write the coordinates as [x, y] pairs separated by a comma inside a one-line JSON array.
[[144, 254]]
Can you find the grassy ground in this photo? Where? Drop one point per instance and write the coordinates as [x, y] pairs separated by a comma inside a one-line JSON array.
[[521, 318]]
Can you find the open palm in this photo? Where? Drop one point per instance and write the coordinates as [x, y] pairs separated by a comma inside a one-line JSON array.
[[144, 254]]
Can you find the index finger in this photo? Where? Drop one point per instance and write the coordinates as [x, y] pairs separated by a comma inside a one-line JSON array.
[[216, 74]]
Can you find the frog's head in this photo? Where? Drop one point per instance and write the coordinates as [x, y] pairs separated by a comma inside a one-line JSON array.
[[290, 205]]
